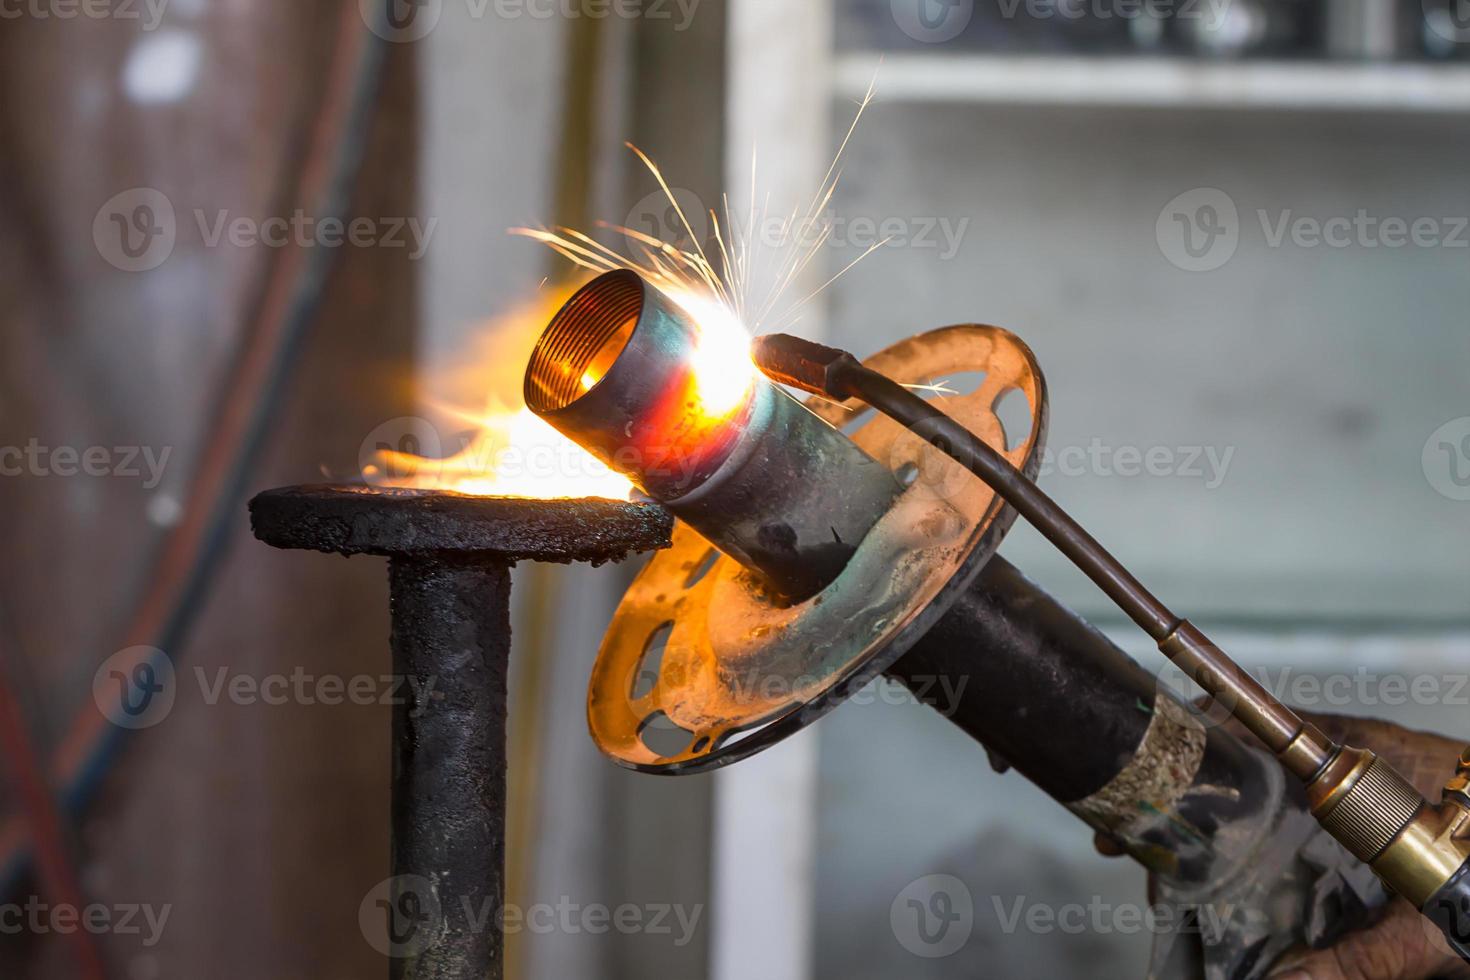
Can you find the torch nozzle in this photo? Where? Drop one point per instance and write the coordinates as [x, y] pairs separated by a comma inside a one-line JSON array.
[[804, 364]]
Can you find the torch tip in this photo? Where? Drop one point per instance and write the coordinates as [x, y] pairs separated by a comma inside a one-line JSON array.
[[803, 364]]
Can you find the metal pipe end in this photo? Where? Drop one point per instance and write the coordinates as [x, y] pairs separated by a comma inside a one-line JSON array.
[[618, 371], [582, 341]]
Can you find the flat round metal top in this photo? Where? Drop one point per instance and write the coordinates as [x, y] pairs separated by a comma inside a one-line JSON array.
[[354, 519]]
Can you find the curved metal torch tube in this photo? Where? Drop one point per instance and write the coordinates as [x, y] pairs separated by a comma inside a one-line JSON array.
[[619, 372]]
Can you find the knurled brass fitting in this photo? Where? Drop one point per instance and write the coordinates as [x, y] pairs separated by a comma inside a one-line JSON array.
[[1385, 822], [1363, 802]]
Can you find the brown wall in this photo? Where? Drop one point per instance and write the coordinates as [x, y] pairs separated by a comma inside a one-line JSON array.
[[260, 827]]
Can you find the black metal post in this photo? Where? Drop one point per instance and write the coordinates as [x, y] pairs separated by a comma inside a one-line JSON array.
[[449, 580], [451, 643]]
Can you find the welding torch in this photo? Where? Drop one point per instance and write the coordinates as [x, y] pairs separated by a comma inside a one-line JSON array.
[[1419, 849]]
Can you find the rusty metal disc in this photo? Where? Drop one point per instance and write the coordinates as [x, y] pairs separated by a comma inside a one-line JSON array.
[[701, 667]]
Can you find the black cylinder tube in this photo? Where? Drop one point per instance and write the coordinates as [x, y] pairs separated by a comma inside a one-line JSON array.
[[1051, 696], [1449, 909], [451, 647]]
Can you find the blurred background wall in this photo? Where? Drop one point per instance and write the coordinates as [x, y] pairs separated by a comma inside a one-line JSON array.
[[1294, 393], [1269, 425]]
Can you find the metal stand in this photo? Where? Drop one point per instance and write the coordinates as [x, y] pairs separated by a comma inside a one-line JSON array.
[[451, 640], [449, 581]]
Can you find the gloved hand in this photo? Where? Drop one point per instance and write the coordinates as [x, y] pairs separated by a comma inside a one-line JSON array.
[[1402, 944]]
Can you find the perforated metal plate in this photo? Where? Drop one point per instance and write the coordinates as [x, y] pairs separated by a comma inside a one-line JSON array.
[[700, 667]]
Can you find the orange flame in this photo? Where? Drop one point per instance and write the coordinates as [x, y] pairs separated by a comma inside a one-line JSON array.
[[507, 451], [511, 454]]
